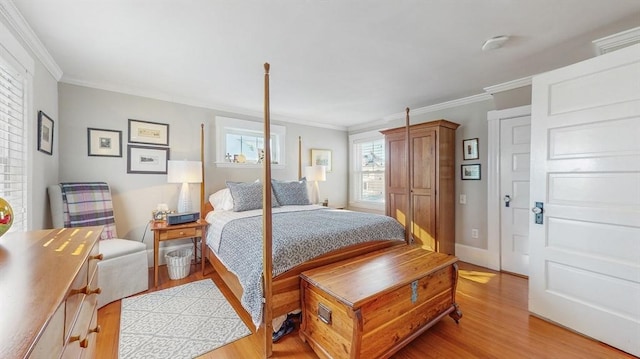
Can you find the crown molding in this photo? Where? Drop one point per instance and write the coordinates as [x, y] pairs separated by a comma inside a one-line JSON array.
[[440, 106], [163, 96], [616, 41], [381, 124], [19, 24], [509, 85]]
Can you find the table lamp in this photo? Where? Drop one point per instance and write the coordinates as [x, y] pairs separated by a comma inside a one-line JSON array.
[[315, 174], [184, 172]]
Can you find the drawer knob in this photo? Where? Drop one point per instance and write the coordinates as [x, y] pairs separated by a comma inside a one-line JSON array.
[[74, 338], [93, 291], [181, 233], [97, 256], [83, 343], [85, 290], [95, 330]]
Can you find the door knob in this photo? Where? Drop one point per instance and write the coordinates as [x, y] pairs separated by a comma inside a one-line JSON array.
[[507, 199], [538, 210]]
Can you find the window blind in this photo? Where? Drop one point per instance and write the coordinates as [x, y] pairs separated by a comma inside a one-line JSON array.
[[370, 170], [13, 182]]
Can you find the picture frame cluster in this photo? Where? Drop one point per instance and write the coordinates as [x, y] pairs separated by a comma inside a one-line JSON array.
[[147, 151], [147, 147], [470, 151]]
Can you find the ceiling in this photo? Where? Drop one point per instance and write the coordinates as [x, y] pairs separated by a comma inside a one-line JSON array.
[[335, 63]]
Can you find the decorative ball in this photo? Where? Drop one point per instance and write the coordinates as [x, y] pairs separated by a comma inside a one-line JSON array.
[[6, 216]]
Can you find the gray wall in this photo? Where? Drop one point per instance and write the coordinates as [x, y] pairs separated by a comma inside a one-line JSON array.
[[44, 167], [517, 97], [136, 195]]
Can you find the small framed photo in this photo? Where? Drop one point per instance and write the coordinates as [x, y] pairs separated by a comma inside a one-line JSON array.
[[45, 133], [470, 149], [105, 143], [148, 160], [321, 158], [151, 133], [470, 172]]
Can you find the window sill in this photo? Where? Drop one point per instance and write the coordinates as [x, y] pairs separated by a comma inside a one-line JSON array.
[[368, 207]]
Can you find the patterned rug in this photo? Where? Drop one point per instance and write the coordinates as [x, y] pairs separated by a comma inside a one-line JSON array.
[[179, 322]]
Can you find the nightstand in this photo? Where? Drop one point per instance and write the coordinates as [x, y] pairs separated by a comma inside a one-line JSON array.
[[163, 232]]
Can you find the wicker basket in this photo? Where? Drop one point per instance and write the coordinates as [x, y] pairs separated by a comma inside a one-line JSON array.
[[179, 263]]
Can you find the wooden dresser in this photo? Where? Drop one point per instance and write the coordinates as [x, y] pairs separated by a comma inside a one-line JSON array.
[[433, 178], [49, 293], [373, 305]]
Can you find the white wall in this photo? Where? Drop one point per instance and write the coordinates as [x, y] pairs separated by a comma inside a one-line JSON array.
[[136, 195]]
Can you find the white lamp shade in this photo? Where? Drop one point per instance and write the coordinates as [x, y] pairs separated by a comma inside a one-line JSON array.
[[184, 171], [315, 173]]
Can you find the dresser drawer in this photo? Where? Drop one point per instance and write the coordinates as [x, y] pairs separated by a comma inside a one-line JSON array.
[[51, 339], [75, 296], [90, 351], [180, 233], [94, 258], [84, 328]]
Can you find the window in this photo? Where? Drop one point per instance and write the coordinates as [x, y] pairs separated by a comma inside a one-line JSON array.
[[13, 162], [240, 143], [367, 170]]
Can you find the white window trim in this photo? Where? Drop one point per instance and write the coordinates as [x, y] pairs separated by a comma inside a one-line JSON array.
[[353, 139], [13, 52], [225, 123]]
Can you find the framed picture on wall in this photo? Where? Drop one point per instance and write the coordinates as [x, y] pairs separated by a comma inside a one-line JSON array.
[[470, 149], [45, 133], [321, 158], [470, 172], [105, 143], [145, 159], [152, 133]]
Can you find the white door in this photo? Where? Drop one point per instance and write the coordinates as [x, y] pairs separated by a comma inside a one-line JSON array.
[[515, 144], [585, 169]]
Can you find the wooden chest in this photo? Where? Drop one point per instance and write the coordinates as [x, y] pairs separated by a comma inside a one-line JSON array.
[[373, 305]]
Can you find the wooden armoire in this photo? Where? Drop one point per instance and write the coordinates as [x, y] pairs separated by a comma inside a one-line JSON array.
[[432, 156]]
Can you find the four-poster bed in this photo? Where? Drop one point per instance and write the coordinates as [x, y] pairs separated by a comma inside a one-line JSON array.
[[280, 284]]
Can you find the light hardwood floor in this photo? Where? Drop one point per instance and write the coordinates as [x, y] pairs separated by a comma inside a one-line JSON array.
[[495, 324]]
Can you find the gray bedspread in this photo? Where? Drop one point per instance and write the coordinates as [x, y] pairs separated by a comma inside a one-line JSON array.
[[297, 237]]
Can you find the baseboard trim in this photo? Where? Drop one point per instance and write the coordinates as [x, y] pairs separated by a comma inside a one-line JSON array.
[[473, 255]]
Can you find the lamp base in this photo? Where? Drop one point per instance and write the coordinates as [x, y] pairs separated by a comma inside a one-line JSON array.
[[315, 193], [184, 199]]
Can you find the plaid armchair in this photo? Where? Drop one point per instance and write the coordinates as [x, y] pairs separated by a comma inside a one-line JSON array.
[[123, 271]]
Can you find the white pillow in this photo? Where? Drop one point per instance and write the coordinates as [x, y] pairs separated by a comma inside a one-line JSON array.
[[222, 200]]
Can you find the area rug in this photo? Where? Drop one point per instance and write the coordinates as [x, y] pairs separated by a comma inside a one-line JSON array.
[[179, 322]]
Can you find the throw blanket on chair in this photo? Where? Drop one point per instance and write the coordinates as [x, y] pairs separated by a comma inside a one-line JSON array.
[[88, 204]]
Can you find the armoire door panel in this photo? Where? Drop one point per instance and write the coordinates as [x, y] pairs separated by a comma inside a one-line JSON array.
[[423, 156], [424, 221], [397, 163], [397, 206]]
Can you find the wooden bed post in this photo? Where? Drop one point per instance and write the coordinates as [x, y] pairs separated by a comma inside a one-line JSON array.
[[267, 269], [408, 228], [202, 171], [299, 158]]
